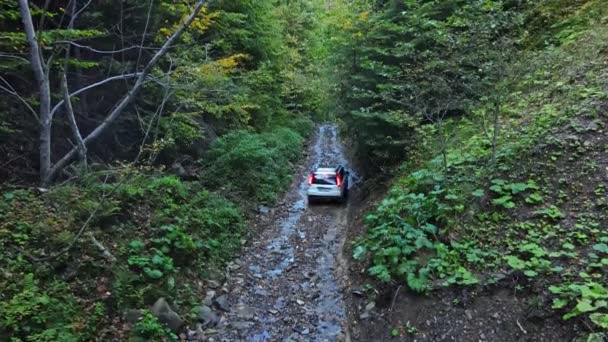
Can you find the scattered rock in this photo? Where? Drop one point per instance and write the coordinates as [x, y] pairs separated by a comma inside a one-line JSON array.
[[166, 315], [207, 317], [273, 311], [305, 331], [208, 301], [300, 302], [594, 126], [364, 315], [240, 325], [132, 316], [214, 284], [233, 266], [263, 210], [357, 293], [221, 303], [370, 306], [245, 312], [178, 169]]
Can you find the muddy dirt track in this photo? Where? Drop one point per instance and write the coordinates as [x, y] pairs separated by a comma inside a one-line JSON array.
[[285, 286]]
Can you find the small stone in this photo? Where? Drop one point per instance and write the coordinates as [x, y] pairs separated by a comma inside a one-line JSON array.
[[245, 312], [214, 284], [133, 316], [496, 315], [233, 266], [221, 303], [263, 210], [364, 315], [357, 293], [166, 315], [273, 311], [240, 325], [300, 302], [207, 317], [468, 314], [208, 301], [370, 306]]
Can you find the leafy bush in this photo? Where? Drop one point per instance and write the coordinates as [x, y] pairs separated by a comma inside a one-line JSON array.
[[161, 230], [252, 166], [148, 328], [403, 232], [38, 314]]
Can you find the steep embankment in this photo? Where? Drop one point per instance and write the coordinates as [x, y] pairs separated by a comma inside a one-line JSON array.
[[500, 240]]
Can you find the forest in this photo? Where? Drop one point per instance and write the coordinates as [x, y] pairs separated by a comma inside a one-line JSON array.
[[144, 145]]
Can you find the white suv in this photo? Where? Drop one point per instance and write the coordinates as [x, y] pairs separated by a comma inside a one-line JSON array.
[[328, 183]]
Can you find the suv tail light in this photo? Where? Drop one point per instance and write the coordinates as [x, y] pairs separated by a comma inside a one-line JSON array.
[[311, 178], [338, 180]]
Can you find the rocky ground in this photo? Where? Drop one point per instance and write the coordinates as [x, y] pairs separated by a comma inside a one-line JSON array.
[[286, 284]]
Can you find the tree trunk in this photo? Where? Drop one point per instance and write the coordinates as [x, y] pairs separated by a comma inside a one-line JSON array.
[[495, 131], [41, 75]]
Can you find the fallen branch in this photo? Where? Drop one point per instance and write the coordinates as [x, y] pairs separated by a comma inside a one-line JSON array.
[[520, 327], [394, 298], [104, 251]]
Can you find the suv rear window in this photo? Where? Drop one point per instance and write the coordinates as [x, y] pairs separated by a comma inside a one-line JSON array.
[[324, 179]]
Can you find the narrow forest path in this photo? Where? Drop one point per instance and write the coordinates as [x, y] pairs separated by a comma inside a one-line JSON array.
[[285, 285]]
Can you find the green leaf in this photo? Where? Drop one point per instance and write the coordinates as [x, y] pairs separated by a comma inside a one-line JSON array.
[[530, 273], [359, 252], [568, 245], [478, 193], [504, 201], [518, 187], [601, 247], [515, 262], [417, 283], [599, 319], [395, 332], [559, 303], [153, 273], [585, 305], [381, 272]]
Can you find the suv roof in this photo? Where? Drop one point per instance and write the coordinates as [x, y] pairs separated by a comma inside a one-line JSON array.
[[328, 169], [325, 170]]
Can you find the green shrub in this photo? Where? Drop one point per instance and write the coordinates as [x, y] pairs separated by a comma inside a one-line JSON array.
[[148, 328], [302, 125], [36, 314], [252, 166], [162, 231]]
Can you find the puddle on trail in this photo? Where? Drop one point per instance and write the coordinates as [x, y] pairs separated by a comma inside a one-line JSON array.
[[292, 284]]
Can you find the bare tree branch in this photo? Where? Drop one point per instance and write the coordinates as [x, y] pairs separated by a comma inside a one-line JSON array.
[[82, 148], [108, 52], [128, 98], [9, 89], [91, 86], [7, 55]]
